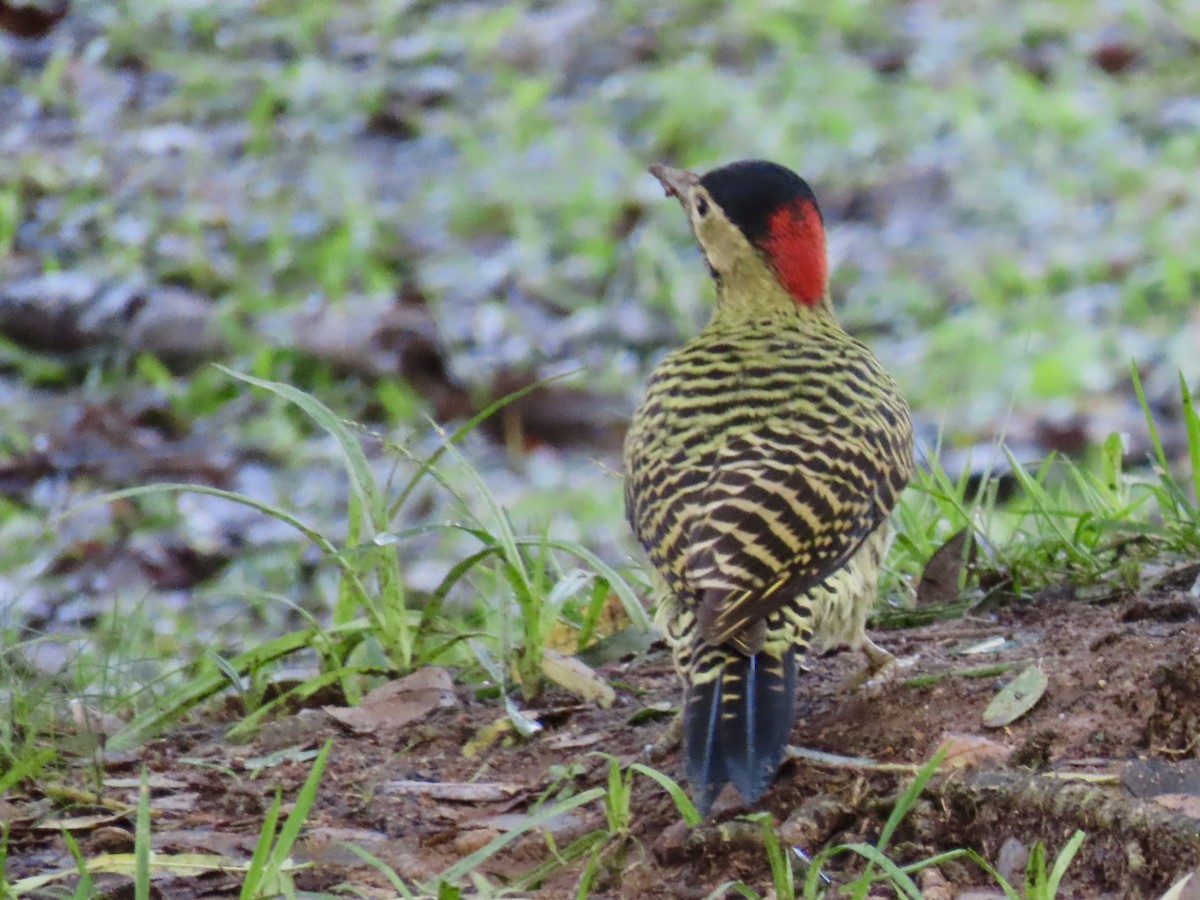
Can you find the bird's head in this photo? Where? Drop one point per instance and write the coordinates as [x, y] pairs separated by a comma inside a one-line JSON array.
[[758, 224]]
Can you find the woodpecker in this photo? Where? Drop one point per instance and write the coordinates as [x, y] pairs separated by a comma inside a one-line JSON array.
[[761, 468]]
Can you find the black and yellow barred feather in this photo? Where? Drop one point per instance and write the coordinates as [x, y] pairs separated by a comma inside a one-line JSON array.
[[761, 469]]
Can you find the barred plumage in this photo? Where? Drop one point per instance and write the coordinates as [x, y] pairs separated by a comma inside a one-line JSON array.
[[760, 471]]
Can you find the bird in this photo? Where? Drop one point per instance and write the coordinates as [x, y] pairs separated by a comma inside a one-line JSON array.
[[761, 468]]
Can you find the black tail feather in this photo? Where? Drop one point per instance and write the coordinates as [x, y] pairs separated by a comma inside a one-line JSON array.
[[736, 724]]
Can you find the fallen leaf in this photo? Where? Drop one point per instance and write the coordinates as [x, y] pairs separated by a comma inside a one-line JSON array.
[[222, 843], [184, 802], [473, 839], [943, 573], [183, 864], [329, 845], [612, 618], [1188, 804], [282, 757], [1016, 698], [525, 724], [1186, 888], [398, 702], [487, 736], [993, 644], [79, 823], [557, 825], [92, 722], [628, 642], [653, 712], [572, 741], [154, 781], [965, 751], [461, 791], [577, 677]]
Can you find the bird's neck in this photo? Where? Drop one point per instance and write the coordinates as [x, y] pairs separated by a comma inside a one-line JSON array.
[[754, 293]]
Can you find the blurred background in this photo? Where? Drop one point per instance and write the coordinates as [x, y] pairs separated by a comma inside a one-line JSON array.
[[409, 210]]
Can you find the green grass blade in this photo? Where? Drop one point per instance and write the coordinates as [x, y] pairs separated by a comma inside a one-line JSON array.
[[200, 688], [501, 525], [1191, 421], [722, 890], [84, 890], [903, 804], [457, 572], [498, 843], [588, 876], [579, 847], [1035, 873], [1062, 862], [617, 798], [1151, 427], [909, 797], [678, 795], [305, 799], [27, 767], [274, 512], [383, 869], [427, 465], [362, 480], [368, 504], [256, 871], [1010, 892], [141, 842], [633, 607], [591, 613], [249, 724], [349, 571], [780, 862], [895, 876]]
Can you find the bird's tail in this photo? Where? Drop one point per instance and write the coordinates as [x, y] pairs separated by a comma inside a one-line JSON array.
[[737, 717]]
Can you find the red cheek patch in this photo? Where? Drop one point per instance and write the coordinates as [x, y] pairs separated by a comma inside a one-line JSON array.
[[795, 243]]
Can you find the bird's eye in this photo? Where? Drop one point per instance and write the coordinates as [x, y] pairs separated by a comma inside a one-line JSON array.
[[701, 207]]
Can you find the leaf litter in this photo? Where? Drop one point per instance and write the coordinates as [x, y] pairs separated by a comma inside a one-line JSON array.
[[424, 795]]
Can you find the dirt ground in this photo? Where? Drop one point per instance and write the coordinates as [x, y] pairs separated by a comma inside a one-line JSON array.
[[1123, 701]]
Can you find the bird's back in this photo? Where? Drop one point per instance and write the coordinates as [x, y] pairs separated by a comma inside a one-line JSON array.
[[763, 380]]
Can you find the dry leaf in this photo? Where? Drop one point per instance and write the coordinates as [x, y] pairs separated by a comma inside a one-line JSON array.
[[965, 751], [79, 823], [1188, 804], [474, 839], [183, 802], [1186, 888], [577, 677], [462, 791], [1016, 698], [487, 736], [572, 741], [154, 781], [943, 573], [90, 721], [186, 865], [398, 702], [564, 636]]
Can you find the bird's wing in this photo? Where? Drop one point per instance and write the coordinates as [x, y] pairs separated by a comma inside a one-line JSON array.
[[783, 510]]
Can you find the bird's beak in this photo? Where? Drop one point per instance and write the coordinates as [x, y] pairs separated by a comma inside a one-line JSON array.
[[676, 182]]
